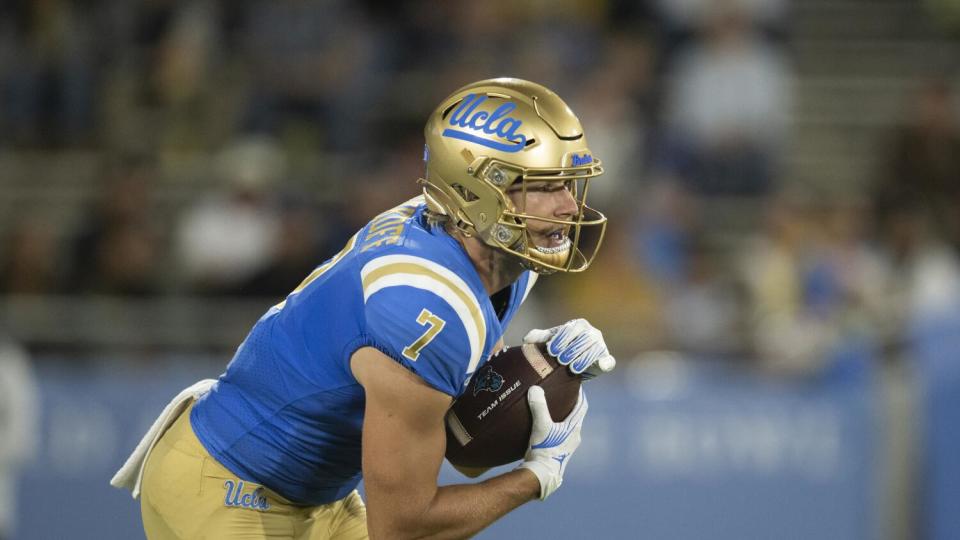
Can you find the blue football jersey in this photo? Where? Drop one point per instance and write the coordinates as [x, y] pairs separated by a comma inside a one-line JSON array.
[[288, 413]]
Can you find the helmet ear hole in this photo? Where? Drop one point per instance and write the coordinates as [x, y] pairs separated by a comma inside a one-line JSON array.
[[465, 193]]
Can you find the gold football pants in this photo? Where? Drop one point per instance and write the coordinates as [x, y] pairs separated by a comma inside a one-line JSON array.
[[187, 495]]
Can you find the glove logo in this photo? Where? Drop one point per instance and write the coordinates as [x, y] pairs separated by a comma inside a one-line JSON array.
[[481, 124], [487, 380]]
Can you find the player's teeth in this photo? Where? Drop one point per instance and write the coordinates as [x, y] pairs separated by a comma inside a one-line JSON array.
[[564, 245]]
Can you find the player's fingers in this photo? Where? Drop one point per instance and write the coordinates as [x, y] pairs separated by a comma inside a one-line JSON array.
[[584, 351], [563, 335], [587, 358], [572, 351], [537, 336], [538, 408], [607, 363], [603, 365]]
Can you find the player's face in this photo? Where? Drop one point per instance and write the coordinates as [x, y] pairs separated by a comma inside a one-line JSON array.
[[548, 199]]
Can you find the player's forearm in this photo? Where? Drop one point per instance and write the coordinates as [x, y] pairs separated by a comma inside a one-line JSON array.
[[457, 511]]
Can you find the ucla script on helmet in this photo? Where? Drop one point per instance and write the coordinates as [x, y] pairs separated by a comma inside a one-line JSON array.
[[490, 423]]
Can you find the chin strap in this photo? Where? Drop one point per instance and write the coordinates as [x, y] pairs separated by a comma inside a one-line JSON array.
[[554, 259]]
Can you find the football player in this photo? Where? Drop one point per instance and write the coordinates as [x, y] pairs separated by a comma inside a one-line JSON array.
[[351, 375]]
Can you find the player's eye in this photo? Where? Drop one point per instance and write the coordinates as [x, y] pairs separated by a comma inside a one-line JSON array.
[[550, 187], [544, 187]]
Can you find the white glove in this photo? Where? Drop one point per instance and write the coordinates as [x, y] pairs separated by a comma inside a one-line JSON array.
[[551, 443], [576, 344]]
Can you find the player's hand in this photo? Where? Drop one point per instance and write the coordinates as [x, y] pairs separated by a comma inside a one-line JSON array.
[[576, 344], [551, 443]]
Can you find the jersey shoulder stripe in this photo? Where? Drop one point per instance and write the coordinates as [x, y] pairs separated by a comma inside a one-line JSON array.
[[421, 273], [531, 281]]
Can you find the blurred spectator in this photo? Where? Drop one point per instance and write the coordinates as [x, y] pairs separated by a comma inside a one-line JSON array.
[[229, 235], [174, 82], [386, 179], [699, 308], [922, 170], [926, 270], [945, 13], [116, 249], [612, 99], [787, 337], [681, 16], [18, 427], [187, 80], [30, 263], [46, 73], [304, 240], [814, 282], [177, 38], [702, 312], [729, 100], [667, 219], [847, 274], [307, 234], [311, 77], [630, 15]]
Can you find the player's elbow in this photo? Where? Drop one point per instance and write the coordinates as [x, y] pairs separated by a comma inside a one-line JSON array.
[[395, 513], [384, 524], [385, 531]]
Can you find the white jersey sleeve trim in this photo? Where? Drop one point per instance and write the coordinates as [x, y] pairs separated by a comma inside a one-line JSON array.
[[531, 280]]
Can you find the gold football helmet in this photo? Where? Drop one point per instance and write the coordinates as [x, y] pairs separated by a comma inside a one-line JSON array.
[[499, 136]]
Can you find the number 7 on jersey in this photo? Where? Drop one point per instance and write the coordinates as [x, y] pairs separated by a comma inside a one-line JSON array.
[[434, 325]]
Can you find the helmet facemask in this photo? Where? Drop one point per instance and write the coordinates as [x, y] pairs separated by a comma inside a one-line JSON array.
[[511, 230], [516, 230]]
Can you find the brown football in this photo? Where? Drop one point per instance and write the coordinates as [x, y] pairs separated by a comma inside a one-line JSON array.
[[490, 423]]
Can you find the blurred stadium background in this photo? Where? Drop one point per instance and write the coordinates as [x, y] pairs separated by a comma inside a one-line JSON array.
[[780, 281]]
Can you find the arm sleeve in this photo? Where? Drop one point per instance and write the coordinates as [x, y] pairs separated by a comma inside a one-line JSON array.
[[422, 331]]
